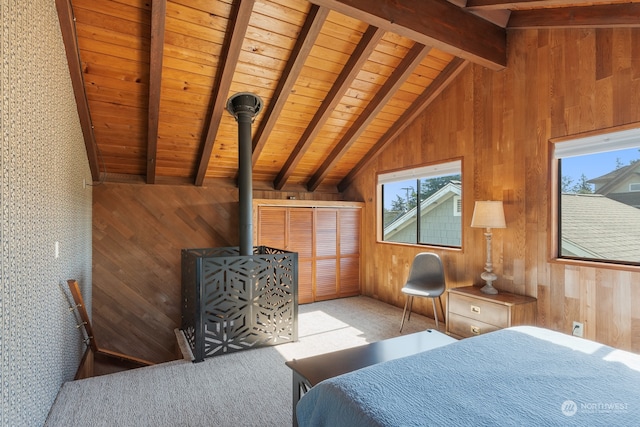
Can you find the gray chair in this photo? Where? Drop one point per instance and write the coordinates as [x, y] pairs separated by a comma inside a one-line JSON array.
[[426, 279]]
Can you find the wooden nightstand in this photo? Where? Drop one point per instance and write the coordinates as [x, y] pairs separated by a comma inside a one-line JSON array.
[[471, 312]]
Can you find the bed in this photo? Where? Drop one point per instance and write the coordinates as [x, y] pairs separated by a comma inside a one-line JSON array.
[[517, 376]]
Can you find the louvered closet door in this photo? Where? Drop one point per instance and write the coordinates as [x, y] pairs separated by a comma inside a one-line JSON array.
[[291, 229], [272, 227], [327, 241], [349, 263], [301, 241], [326, 254]]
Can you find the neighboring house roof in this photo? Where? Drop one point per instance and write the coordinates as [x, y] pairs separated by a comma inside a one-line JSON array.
[[595, 226], [453, 188], [608, 183], [631, 198]]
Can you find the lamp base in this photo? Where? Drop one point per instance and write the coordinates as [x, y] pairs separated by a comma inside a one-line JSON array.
[[489, 277], [489, 289]]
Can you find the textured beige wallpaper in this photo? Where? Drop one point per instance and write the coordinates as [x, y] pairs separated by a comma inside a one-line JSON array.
[[42, 201]]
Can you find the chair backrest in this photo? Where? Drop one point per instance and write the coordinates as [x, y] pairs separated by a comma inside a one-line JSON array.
[[427, 273]]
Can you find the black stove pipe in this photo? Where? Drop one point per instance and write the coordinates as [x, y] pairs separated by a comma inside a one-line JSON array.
[[245, 107]]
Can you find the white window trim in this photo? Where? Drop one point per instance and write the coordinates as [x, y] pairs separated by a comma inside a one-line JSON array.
[[620, 140], [449, 168]]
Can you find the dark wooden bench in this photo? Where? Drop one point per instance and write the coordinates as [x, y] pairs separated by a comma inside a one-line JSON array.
[[310, 371]]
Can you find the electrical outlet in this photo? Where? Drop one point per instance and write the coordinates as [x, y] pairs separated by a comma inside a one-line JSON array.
[[578, 329]]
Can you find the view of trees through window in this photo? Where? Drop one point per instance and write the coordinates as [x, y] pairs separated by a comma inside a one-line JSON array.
[[403, 196], [423, 210], [599, 201], [581, 184]]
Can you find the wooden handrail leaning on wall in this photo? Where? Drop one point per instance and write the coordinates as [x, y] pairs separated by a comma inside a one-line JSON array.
[[86, 366]]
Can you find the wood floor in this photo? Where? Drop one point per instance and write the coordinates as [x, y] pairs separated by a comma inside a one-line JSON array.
[[105, 366]]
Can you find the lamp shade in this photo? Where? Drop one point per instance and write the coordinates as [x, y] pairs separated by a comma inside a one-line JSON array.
[[488, 214]]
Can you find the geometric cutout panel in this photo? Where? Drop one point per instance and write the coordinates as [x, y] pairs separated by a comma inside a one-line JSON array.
[[233, 302]]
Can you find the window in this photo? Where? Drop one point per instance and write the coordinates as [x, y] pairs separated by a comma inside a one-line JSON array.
[[598, 211], [422, 205]]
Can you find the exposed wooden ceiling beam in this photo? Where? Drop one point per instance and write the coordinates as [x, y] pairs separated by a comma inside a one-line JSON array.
[[158, 14], [306, 39], [70, 39], [599, 16], [388, 90], [435, 23], [443, 80], [511, 4], [238, 23], [351, 69], [497, 16]]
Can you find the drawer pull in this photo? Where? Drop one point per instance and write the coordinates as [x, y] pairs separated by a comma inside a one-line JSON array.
[[475, 330], [475, 309]]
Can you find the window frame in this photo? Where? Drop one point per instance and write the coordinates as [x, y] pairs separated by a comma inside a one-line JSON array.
[[416, 172], [598, 139]]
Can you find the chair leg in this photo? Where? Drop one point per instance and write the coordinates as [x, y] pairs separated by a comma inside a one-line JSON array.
[[404, 312], [435, 312], [444, 317]]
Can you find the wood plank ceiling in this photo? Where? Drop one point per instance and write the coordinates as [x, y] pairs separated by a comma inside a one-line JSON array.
[[339, 78]]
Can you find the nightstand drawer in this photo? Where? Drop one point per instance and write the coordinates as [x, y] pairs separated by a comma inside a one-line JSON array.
[[477, 309], [471, 312], [465, 327]]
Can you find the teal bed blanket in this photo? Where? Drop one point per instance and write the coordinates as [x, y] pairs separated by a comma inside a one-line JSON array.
[[521, 376]]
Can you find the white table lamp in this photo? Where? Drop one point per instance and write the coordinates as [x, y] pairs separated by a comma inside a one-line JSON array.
[[488, 214]]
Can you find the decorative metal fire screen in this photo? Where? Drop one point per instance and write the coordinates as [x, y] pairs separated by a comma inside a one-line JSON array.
[[233, 302]]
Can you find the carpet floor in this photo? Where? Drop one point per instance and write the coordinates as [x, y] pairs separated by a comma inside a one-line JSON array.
[[248, 388]]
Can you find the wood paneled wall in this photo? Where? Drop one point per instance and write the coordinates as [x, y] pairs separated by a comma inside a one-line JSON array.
[[557, 83], [138, 233]]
